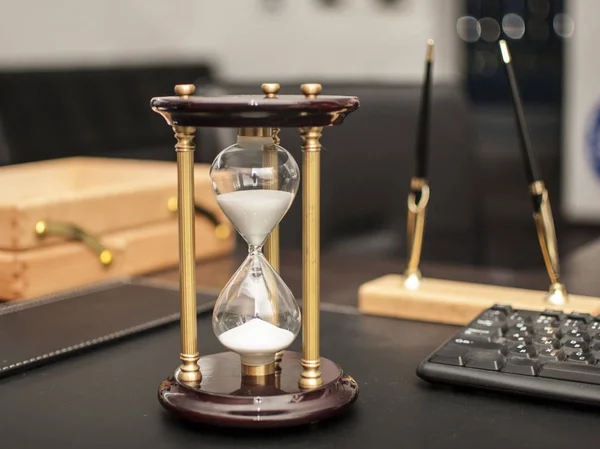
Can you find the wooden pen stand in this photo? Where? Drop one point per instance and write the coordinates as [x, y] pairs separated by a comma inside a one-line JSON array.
[[452, 302]]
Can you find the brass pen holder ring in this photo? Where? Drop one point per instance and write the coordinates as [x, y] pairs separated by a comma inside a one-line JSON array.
[[45, 228], [415, 229], [415, 207]]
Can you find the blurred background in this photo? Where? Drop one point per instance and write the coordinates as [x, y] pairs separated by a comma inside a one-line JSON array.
[[76, 78]]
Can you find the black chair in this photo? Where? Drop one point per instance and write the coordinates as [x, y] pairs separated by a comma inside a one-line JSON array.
[[89, 112]]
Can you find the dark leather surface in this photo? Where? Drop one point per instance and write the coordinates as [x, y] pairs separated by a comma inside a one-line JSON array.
[[38, 331], [107, 399]]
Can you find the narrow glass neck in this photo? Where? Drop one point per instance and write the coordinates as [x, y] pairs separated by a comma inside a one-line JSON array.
[[252, 249]]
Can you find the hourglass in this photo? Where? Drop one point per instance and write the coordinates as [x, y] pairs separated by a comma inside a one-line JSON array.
[[257, 382], [256, 314]]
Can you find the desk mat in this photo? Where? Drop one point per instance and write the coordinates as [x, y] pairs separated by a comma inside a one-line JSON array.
[[107, 398], [41, 330]]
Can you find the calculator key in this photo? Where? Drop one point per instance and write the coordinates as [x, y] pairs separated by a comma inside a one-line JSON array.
[[545, 321], [519, 365], [493, 315], [585, 317], [573, 372], [582, 357], [498, 326], [455, 361], [517, 318], [524, 327], [451, 355], [506, 310], [595, 345], [571, 323], [594, 329], [556, 314], [479, 345], [486, 334], [576, 334], [550, 331], [570, 346], [524, 351], [551, 354], [486, 360], [595, 326], [519, 336], [546, 340]]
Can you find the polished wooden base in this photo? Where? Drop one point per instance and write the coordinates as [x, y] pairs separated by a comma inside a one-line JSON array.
[[451, 302], [225, 397]]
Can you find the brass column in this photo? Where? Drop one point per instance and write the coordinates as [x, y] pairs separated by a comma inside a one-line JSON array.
[[190, 371], [311, 179], [270, 160], [271, 250]]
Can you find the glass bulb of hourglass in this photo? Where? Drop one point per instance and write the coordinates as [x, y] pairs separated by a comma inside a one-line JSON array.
[[256, 314]]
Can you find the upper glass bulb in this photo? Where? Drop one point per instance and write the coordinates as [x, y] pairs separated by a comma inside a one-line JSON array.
[[255, 182], [256, 314]]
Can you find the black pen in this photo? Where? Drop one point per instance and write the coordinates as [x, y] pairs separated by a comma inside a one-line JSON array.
[[418, 196], [542, 212]]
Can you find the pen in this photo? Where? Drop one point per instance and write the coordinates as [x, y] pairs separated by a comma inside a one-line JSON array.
[[542, 212], [418, 196]]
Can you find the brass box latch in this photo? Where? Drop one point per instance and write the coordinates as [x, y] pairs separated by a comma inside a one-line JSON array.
[[45, 228]]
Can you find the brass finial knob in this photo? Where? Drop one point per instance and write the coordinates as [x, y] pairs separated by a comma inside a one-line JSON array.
[[311, 90], [185, 90], [270, 89]]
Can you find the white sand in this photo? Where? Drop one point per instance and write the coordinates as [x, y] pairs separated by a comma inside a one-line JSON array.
[[255, 212], [256, 341]]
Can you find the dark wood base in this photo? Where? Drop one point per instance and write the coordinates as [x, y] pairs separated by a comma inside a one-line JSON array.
[[226, 398]]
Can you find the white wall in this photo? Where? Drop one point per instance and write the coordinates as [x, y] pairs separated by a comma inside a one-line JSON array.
[[248, 39], [581, 180]]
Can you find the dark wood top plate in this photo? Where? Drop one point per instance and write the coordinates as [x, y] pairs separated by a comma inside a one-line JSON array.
[[255, 111]]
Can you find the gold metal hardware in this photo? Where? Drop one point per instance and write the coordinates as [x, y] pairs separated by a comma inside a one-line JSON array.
[[544, 225], [311, 208], [45, 228], [504, 51], [271, 247], [271, 90], [537, 188], [189, 369], [259, 370], [311, 90], [222, 230], [172, 204], [255, 132], [185, 90], [429, 55], [415, 229]]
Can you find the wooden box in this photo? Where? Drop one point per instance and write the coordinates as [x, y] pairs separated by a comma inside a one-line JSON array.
[[125, 206]]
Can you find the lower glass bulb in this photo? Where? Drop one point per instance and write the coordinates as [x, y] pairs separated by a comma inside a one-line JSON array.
[[256, 314]]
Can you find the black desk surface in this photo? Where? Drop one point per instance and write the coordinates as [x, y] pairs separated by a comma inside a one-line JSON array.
[[106, 398]]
